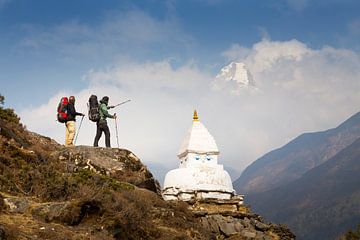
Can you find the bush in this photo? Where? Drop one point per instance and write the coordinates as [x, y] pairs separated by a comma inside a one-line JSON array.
[[8, 114]]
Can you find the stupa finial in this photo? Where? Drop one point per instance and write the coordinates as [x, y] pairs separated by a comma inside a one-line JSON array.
[[195, 117]]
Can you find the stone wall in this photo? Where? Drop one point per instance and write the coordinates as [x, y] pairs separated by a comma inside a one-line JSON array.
[[231, 220]]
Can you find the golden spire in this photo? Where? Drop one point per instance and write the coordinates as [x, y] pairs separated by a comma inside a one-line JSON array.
[[195, 117]]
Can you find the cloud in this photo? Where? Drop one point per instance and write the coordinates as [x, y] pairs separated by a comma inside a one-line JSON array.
[[266, 54], [236, 52], [299, 89], [153, 75], [134, 33], [292, 66], [295, 77]]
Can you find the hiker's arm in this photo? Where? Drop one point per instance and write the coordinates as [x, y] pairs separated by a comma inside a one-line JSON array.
[[104, 109], [74, 112], [79, 114]]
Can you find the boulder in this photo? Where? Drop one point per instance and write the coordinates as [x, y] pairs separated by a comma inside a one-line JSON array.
[[213, 225], [16, 205], [227, 228], [261, 226], [120, 164], [248, 234]]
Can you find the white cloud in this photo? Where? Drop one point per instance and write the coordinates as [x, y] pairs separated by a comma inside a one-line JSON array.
[[266, 54], [300, 89], [236, 52], [297, 77], [153, 75]]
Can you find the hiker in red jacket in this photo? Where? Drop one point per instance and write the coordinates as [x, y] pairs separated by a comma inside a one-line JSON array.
[[70, 121]]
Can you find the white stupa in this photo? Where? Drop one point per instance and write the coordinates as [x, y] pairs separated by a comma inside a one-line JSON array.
[[199, 175]]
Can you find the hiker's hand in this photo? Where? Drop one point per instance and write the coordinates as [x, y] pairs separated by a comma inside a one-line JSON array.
[[110, 107], [82, 114]]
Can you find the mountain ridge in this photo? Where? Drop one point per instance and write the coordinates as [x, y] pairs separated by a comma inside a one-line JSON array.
[[301, 154], [323, 203]]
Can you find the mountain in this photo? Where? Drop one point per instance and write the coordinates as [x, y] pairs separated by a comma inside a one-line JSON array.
[[291, 161], [235, 72], [323, 203]]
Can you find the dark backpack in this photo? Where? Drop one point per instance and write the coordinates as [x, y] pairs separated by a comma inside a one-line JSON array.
[[93, 106], [62, 114]]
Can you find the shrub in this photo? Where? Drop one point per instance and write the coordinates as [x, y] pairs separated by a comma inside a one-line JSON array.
[[8, 114]]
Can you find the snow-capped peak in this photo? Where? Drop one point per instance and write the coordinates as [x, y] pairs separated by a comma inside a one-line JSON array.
[[237, 72]]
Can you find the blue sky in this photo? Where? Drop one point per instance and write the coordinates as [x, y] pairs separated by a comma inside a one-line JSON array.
[[158, 52]]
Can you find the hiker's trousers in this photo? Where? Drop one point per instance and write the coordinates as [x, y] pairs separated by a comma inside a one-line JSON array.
[[102, 126], [70, 133]]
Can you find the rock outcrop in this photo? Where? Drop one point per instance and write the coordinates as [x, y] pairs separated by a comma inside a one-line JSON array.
[[119, 164]]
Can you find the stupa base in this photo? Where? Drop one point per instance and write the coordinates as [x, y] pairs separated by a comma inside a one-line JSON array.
[[175, 194]]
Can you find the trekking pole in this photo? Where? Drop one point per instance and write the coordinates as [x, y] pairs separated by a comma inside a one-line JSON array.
[[78, 130], [121, 103], [117, 133]]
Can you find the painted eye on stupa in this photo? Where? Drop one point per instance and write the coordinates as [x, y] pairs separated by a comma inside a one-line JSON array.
[[208, 158], [197, 158]]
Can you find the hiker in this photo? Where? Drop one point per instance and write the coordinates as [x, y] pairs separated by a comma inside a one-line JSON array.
[[101, 125], [70, 121]]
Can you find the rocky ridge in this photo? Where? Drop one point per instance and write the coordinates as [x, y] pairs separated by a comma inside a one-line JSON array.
[[290, 162]]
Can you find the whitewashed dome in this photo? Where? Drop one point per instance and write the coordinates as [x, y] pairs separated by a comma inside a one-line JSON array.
[[198, 140], [199, 174]]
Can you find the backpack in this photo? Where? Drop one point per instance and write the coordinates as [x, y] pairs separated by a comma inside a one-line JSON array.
[[93, 105], [62, 114]]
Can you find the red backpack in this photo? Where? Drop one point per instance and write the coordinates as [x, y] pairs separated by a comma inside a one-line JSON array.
[[62, 110]]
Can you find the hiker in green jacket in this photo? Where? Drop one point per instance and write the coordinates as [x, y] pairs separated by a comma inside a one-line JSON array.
[[101, 125]]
